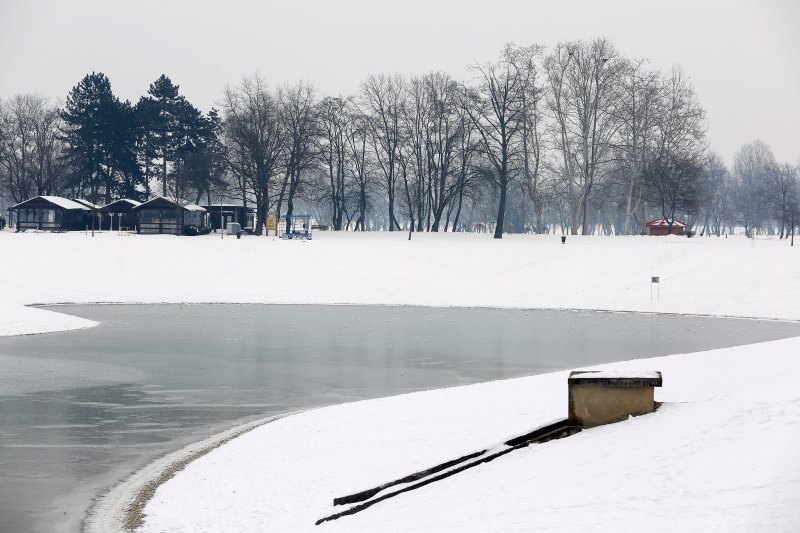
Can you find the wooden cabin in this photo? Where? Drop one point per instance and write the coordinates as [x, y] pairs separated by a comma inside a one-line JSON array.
[[120, 215], [162, 215], [661, 227], [51, 213], [219, 215]]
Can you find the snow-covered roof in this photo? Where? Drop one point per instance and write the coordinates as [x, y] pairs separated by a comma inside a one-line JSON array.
[[123, 201], [63, 203], [216, 206], [663, 222], [161, 200], [611, 374], [617, 378], [87, 203]]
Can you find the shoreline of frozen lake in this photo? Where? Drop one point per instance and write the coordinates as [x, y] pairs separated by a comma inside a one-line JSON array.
[[149, 380], [620, 474], [711, 276]]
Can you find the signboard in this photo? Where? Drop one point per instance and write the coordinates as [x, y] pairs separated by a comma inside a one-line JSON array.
[[654, 280], [271, 222]]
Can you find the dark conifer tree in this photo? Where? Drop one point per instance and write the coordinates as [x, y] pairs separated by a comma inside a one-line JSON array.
[[100, 134], [201, 164], [125, 179], [177, 132], [146, 117], [87, 116], [166, 108]]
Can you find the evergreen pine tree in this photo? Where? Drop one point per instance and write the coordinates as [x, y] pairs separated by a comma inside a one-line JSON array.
[[86, 116], [100, 134], [165, 106], [146, 117]]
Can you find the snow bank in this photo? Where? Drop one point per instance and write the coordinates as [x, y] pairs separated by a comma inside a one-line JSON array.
[[19, 320], [736, 276], [719, 455]]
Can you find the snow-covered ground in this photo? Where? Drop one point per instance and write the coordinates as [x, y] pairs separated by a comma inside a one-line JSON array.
[[735, 277], [720, 454]]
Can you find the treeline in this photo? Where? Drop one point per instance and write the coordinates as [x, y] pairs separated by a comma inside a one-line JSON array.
[[101, 148], [574, 139]]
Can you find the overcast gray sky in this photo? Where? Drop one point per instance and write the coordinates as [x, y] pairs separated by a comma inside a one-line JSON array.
[[743, 57]]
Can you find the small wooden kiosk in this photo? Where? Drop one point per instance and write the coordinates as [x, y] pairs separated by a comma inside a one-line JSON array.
[[50, 213], [661, 227], [119, 214], [162, 215]]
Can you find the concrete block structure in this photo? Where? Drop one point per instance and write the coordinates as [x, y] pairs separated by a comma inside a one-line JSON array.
[[603, 397]]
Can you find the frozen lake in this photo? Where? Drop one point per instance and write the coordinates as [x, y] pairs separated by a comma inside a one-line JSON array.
[[80, 410]]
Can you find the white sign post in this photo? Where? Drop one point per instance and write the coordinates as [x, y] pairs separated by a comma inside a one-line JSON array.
[[654, 280]]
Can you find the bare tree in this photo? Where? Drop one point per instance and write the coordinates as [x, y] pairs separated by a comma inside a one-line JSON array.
[[582, 76], [414, 154], [383, 98], [717, 194], [638, 96], [751, 166], [525, 60], [465, 177], [674, 176], [298, 114], [359, 165], [496, 109], [255, 144], [780, 193], [16, 151], [31, 149], [445, 130], [413, 185], [332, 148]]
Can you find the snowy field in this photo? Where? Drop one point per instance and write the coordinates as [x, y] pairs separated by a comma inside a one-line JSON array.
[[733, 277], [719, 455]]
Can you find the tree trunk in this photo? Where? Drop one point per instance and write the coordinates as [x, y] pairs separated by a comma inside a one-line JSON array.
[[501, 210], [585, 214], [392, 220], [261, 209], [576, 218]]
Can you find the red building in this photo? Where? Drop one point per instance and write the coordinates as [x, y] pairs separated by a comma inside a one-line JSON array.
[[661, 227]]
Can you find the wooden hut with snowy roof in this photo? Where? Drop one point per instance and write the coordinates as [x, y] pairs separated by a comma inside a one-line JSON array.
[[662, 227], [50, 213], [162, 215], [120, 214]]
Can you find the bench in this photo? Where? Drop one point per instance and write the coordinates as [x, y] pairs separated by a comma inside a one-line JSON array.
[[602, 397]]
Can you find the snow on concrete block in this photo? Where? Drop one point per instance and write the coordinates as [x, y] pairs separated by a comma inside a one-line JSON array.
[[603, 397]]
